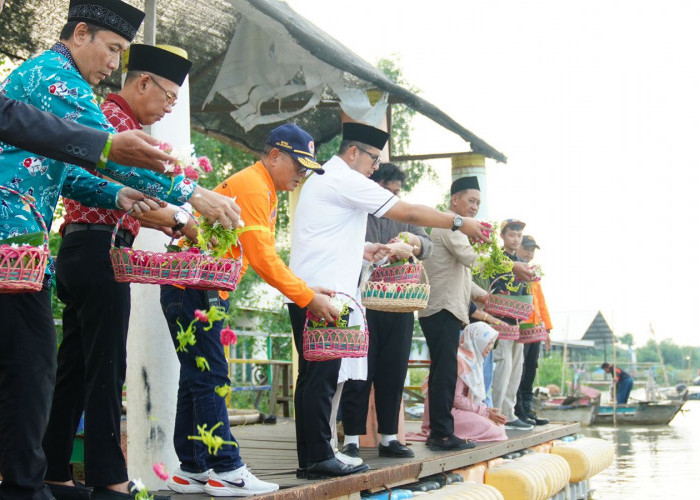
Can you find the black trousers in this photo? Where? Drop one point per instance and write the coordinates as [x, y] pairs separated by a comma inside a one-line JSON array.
[[441, 332], [91, 361], [316, 384], [531, 354], [390, 337], [27, 376]]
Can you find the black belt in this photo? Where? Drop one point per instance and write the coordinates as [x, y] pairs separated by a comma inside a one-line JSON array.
[[126, 236]]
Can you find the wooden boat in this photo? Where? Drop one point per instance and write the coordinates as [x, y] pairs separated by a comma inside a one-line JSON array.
[[581, 409], [639, 413]]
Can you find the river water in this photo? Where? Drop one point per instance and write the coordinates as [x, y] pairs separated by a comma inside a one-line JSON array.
[[652, 462]]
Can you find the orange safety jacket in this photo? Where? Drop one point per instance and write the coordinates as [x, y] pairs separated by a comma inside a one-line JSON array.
[[540, 314], [255, 193]]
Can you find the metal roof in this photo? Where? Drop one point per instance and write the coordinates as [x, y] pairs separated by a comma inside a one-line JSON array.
[[205, 29], [599, 331]]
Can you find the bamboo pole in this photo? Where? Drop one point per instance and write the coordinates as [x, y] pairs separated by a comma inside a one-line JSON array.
[[563, 361], [658, 353], [614, 382]]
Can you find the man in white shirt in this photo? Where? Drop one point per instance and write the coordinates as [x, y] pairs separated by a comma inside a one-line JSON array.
[[327, 250]]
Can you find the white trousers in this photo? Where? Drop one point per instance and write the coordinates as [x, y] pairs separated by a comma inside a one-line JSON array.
[[508, 369]]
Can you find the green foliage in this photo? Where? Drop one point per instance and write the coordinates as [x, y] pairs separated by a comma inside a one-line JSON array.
[[627, 339], [549, 370], [225, 158], [401, 116], [680, 357]]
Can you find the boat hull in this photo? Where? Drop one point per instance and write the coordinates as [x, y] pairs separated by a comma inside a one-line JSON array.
[[639, 413]]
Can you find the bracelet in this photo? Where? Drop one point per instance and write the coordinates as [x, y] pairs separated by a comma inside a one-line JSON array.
[[105, 152]]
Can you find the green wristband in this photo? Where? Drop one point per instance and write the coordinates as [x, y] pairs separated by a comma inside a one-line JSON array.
[[105, 152]]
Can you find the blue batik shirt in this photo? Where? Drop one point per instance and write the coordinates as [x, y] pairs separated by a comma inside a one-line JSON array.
[[52, 83]]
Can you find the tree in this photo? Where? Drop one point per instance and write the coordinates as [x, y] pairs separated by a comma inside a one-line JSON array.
[[401, 117], [627, 339]]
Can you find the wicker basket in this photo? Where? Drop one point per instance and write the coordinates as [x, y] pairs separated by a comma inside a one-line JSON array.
[[507, 332], [400, 273], [22, 268], [530, 333], [509, 306], [396, 296], [324, 344], [219, 274], [156, 268]]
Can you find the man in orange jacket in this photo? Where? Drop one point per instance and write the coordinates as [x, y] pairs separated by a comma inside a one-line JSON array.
[[531, 352], [287, 157]]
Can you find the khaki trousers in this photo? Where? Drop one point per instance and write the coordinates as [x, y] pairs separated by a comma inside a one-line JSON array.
[[508, 369]]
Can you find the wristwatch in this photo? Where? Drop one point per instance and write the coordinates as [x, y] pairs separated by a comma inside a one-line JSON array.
[[181, 219], [457, 222]]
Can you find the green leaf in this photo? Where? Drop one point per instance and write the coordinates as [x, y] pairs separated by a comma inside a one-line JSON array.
[[33, 239]]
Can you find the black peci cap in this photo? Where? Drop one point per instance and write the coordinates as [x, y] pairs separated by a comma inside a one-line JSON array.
[[464, 183], [366, 134], [115, 15], [160, 62]]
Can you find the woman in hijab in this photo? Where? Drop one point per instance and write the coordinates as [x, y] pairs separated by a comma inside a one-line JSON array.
[[473, 419]]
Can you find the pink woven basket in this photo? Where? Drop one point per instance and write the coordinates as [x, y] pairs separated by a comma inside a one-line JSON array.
[[155, 268], [402, 273], [218, 274], [508, 306], [507, 332], [22, 268], [324, 344], [529, 333]]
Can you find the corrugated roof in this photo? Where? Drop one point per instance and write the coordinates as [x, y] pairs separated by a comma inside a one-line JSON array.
[[599, 331]]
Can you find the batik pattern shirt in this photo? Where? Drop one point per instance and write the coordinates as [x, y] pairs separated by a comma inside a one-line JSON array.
[[122, 118], [51, 82]]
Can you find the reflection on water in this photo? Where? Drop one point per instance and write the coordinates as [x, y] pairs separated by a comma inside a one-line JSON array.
[[652, 462]]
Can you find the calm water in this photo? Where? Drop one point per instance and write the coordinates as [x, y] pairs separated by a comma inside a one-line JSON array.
[[652, 462]]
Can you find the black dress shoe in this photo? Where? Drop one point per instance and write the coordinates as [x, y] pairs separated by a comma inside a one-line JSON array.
[[351, 450], [537, 420], [77, 492], [395, 450], [301, 473], [450, 443], [332, 468], [102, 493]]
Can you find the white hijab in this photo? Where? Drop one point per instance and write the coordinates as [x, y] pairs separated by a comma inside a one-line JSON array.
[[476, 337]]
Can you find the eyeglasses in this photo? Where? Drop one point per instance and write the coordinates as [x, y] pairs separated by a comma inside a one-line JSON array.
[[170, 98], [301, 169], [375, 158]]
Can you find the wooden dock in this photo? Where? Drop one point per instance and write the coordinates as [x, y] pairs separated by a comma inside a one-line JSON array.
[[270, 452]]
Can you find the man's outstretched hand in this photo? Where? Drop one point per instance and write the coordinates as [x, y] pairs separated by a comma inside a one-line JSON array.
[[135, 148]]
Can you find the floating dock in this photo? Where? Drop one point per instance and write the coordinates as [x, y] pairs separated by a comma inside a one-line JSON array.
[[270, 452]]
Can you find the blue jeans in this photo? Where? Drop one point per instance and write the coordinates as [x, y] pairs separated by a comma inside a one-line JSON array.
[[624, 387], [488, 378], [197, 403]]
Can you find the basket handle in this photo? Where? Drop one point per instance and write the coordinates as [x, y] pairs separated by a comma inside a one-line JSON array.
[[35, 212], [116, 228], [364, 317]]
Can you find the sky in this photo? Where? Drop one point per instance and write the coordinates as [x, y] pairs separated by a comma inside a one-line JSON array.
[[597, 106]]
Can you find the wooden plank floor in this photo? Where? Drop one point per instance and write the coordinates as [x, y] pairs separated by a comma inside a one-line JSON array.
[[270, 452]]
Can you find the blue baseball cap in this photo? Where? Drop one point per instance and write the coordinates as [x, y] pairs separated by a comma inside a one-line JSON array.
[[298, 143]]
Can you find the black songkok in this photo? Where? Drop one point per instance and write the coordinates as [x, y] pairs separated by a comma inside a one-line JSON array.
[[463, 183], [160, 62], [115, 15], [359, 132]]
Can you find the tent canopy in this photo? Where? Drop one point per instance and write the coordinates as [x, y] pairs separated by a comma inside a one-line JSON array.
[[205, 30]]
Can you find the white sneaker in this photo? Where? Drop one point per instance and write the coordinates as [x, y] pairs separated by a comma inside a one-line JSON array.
[[354, 461], [187, 482], [237, 483]]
